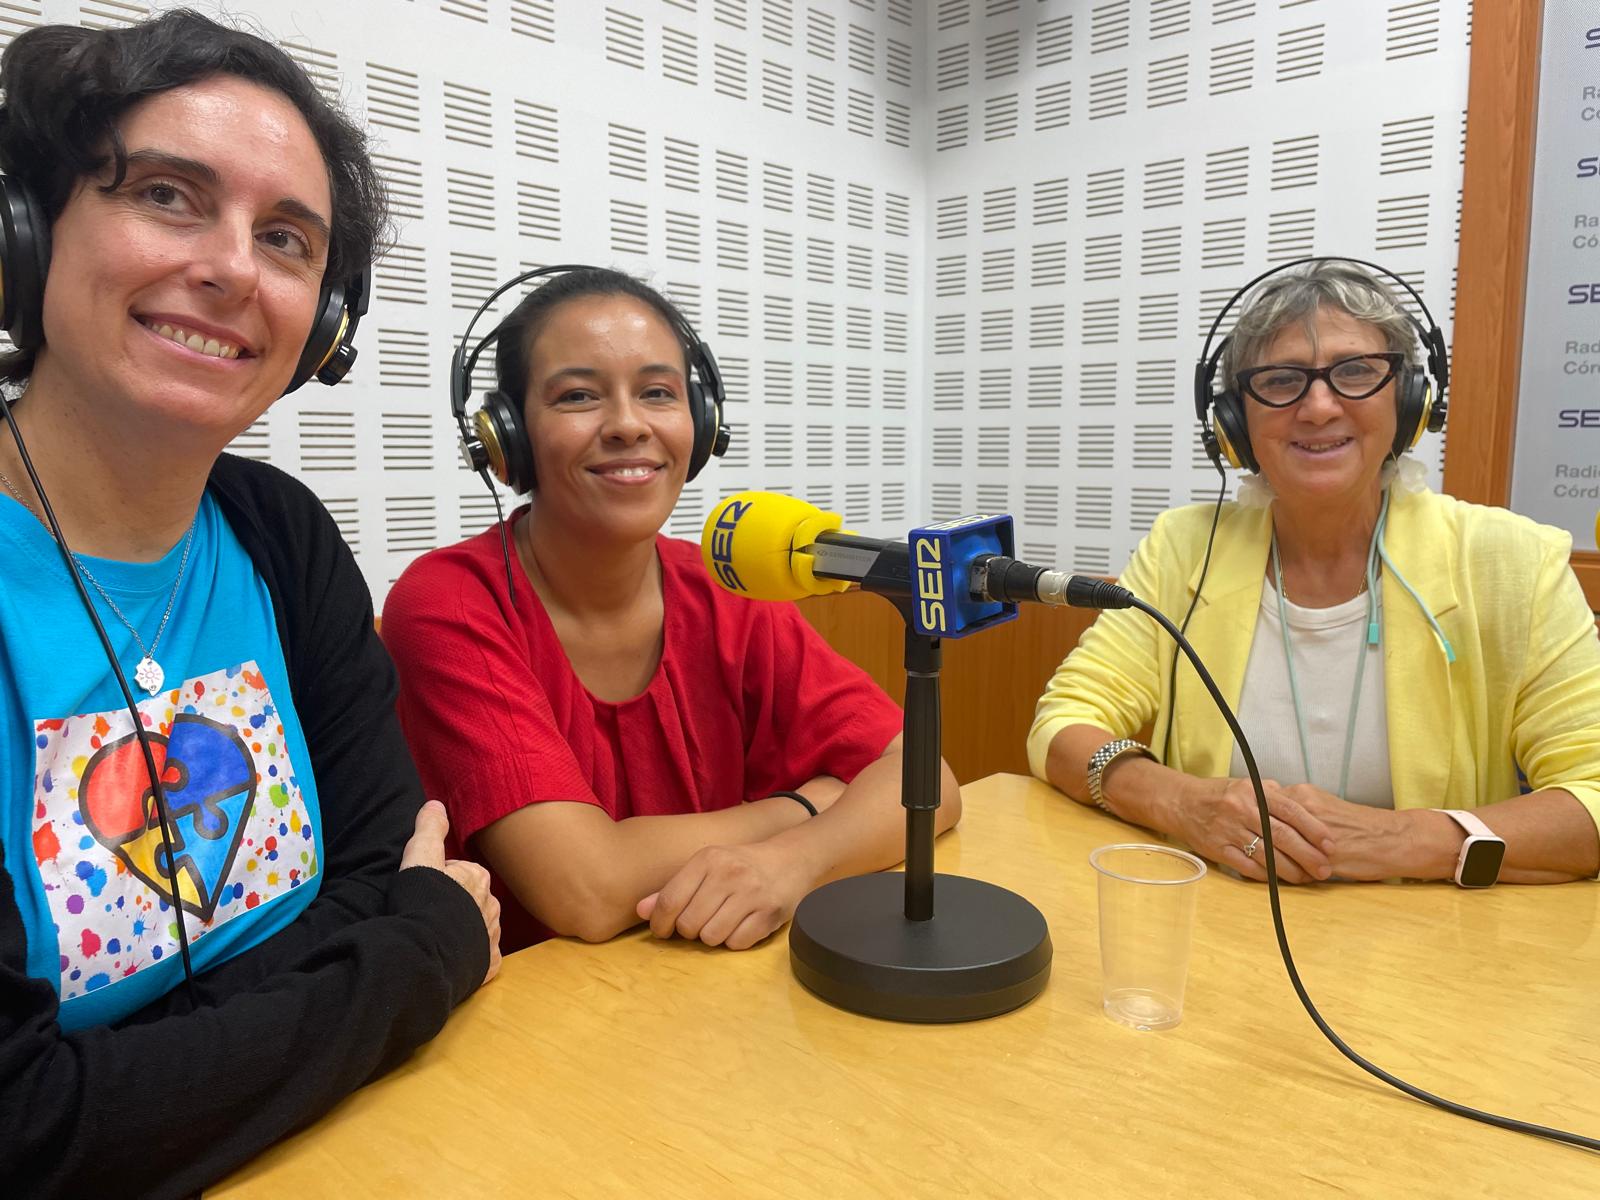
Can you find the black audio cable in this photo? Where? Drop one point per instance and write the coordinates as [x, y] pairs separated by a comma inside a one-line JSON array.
[[1083, 592], [163, 817]]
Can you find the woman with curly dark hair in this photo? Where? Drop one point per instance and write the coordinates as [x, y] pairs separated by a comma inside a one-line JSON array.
[[223, 902]]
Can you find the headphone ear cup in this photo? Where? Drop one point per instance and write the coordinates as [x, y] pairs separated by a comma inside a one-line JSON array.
[[1437, 409], [1438, 406], [24, 265], [330, 351], [505, 438], [1231, 432], [703, 414], [705, 403], [1413, 402], [327, 331]]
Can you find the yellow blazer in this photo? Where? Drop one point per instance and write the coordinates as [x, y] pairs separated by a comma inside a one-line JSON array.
[[1523, 691]]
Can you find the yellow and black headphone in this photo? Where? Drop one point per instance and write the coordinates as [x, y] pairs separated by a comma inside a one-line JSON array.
[[498, 440], [1419, 397], [25, 264]]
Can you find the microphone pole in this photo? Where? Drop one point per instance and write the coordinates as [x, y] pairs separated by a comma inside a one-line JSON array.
[[889, 576], [919, 770], [958, 949]]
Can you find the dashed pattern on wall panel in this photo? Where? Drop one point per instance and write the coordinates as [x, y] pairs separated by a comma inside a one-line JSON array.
[[951, 255], [756, 159], [1103, 175]]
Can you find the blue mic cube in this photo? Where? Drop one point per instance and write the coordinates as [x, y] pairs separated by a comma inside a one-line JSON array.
[[941, 571]]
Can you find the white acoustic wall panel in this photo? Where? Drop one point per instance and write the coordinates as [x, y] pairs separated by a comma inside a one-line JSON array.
[[753, 158], [952, 254], [1103, 175]]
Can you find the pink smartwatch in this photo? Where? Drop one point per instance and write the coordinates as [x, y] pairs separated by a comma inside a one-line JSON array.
[[1482, 852]]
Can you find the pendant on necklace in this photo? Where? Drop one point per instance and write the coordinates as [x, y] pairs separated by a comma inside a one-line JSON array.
[[149, 675]]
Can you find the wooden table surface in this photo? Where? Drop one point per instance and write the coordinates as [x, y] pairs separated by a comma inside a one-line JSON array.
[[664, 1069]]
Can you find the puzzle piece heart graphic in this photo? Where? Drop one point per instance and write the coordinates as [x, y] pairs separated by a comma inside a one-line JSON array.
[[210, 783]]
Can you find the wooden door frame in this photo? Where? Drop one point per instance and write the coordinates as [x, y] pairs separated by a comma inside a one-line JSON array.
[[1496, 210]]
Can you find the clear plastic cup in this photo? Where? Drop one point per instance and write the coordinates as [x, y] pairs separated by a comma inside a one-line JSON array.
[[1147, 897]]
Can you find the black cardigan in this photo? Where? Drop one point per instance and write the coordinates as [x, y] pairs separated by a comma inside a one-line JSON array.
[[169, 1100]]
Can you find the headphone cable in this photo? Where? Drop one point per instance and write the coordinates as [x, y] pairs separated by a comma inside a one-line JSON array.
[[159, 792], [505, 540]]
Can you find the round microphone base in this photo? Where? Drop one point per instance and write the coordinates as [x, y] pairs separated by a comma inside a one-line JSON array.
[[985, 951]]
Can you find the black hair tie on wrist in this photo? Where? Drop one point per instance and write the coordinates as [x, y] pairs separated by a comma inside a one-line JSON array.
[[800, 800]]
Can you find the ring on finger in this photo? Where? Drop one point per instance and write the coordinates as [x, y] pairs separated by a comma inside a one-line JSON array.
[[1250, 850]]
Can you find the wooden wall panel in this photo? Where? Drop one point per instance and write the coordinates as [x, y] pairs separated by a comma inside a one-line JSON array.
[[989, 683], [1496, 205], [1496, 199]]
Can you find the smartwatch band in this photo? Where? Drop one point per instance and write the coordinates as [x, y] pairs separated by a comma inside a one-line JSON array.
[[1471, 823], [1478, 864]]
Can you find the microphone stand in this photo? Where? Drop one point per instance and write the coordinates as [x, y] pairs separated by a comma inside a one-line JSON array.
[[919, 768], [939, 947]]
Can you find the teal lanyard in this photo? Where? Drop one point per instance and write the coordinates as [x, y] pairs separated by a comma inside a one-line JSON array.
[[1372, 639]]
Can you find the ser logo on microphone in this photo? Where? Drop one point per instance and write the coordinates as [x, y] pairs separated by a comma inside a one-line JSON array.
[[930, 584], [722, 545]]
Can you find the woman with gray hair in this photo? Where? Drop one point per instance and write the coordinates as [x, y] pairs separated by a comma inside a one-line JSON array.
[[1419, 676]]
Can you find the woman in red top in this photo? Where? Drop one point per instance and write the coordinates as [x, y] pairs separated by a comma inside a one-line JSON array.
[[611, 744]]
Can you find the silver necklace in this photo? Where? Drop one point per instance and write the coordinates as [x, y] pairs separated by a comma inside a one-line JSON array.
[[1361, 591], [148, 673]]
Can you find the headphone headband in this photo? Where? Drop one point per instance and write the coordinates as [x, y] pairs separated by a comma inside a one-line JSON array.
[[499, 441], [1431, 337], [463, 364], [1224, 426], [461, 381]]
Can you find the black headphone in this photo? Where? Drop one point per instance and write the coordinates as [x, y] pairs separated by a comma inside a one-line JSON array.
[[498, 440], [25, 264], [1419, 398]]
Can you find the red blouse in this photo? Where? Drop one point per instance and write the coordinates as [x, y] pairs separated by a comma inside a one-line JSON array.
[[748, 699]]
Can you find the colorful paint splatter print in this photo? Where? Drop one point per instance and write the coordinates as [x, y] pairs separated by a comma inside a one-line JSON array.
[[240, 834]]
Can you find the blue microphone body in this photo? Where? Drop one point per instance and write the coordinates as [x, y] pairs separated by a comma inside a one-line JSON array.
[[943, 556]]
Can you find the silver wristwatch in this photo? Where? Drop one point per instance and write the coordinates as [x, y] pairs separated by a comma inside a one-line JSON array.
[[1103, 758]]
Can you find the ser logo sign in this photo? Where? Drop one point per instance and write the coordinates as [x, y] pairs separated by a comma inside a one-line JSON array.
[[930, 584], [1584, 293], [1588, 168], [722, 544], [1591, 39]]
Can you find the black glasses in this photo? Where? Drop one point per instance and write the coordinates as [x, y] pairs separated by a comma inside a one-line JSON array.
[[1353, 378]]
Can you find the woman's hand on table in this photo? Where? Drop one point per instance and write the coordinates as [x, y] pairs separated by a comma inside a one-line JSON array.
[[426, 849], [1220, 820], [1367, 843], [731, 896]]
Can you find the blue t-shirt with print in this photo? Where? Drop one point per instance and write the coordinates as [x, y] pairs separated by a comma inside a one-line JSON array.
[[82, 842]]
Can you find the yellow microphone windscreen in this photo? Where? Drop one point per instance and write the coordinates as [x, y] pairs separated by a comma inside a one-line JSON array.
[[750, 543]]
